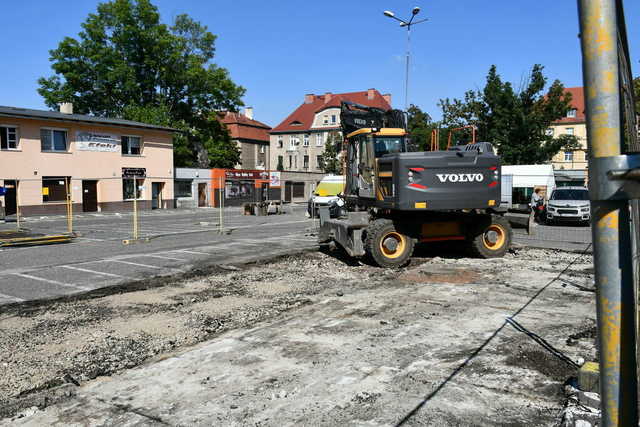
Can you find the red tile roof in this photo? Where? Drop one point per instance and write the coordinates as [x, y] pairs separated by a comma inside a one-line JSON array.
[[242, 127], [305, 113], [577, 102]]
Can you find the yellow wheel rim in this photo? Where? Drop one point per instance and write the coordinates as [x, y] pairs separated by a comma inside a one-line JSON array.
[[393, 244], [494, 237]]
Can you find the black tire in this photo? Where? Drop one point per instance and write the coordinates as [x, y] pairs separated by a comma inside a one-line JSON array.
[[492, 239], [387, 253]]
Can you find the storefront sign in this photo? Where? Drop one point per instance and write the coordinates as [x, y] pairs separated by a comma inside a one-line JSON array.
[[93, 141], [134, 172], [274, 179], [240, 174]]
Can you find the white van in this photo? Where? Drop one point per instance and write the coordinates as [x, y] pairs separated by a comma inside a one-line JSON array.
[[326, 192]]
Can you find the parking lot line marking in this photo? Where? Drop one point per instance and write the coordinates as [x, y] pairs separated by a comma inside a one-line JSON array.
[[144, 265], [53, 282], [86, 270], [163, 257], [192, 252], [12, 298]]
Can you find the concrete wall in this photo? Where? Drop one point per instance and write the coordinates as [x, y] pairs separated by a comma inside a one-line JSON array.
[[197, 177], [28, 164]]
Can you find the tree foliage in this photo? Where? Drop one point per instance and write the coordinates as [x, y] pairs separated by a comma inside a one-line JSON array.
[[330, 156], [419, 126], [516, 122], [126, 63]]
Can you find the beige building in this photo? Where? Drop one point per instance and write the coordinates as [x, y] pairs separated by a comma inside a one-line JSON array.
[[252, 138], [298, 142], [571, 165], [102, 163]]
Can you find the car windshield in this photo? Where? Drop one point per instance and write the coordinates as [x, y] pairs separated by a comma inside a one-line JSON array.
[[388, 145], [570, 194]]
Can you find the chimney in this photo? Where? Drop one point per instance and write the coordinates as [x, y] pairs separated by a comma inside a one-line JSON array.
[[248, 113], [370, 94], [387, 97], [308, 98], [327, 97], [66, 107]]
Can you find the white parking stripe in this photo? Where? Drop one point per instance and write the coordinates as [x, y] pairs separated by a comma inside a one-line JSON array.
[[12, 298], [162, 257], [191, 252], [86, 270], [142, 265], [54, 282]]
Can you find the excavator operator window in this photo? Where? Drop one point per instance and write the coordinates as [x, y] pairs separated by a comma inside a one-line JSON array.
[[389, 145]]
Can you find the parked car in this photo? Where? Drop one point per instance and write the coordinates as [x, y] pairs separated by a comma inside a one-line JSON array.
[[326, 194], [569, 204]]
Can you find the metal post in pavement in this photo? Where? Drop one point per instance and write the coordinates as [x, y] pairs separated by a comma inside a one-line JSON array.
[[67, 182], [221, 206], [17, 204], [610, 189]]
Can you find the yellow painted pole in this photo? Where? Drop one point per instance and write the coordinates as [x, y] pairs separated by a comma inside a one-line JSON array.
[[17, 205], [135, 210], [69, 206]]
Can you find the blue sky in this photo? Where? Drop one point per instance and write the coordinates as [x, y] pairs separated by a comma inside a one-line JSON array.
[[281, 50]]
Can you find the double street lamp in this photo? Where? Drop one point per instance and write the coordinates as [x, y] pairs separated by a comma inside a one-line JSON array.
[[407, 24]]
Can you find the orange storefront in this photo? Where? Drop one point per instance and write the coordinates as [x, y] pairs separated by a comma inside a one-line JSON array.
[[239, 186]]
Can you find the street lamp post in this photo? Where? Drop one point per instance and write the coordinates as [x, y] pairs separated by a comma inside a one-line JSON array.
[[407, 24]]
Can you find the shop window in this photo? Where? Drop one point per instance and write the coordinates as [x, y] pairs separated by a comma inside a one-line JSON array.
[[53, 140], [239, 190], [8, 137], [521, 195], [305, 162], [54, 188], [129, 185], [130, 145], [182, 188]]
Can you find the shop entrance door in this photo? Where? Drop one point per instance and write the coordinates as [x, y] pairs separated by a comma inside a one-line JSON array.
[[89, 196], [10, 199], [288, 186], [202, 195], [156, 195]]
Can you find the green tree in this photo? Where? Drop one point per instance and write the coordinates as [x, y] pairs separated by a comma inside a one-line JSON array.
[[419, 126], [126, 63], [333, 146], [516, 122]]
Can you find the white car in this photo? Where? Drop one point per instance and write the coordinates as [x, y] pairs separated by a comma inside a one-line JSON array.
[[569, 204], [326, 194]]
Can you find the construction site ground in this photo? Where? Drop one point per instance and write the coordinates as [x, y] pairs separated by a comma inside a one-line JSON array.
[[312, 339]]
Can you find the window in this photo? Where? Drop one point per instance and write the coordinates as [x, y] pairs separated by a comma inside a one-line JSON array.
[[280, 143], [295, 162], [305, 141], [182, 188], [319, 162], [319, 139], [568, 156], [128, 185], [290, 161], [280, 163], [293, 141], [572, 113], [263, 149], [549, 132], [130, 145], [326, 119], [305, 161], [8, 138], [569, 131], [53, 140], [54, 188], [333, 119]]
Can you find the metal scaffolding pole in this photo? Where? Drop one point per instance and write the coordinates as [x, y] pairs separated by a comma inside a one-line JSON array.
[[610, 189]]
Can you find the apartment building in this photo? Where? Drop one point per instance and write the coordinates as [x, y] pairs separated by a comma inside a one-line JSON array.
[[252, 138], [298, 142], [571, 165], [103, 163]]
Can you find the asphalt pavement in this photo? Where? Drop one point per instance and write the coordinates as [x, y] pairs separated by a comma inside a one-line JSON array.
[[178, 241]]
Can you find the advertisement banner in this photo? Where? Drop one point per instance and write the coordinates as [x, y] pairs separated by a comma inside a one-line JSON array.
[[97, 141], [274, 179]]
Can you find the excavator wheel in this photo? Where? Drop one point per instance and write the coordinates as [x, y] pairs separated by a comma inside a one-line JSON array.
[[492, 239], [386, 246]]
